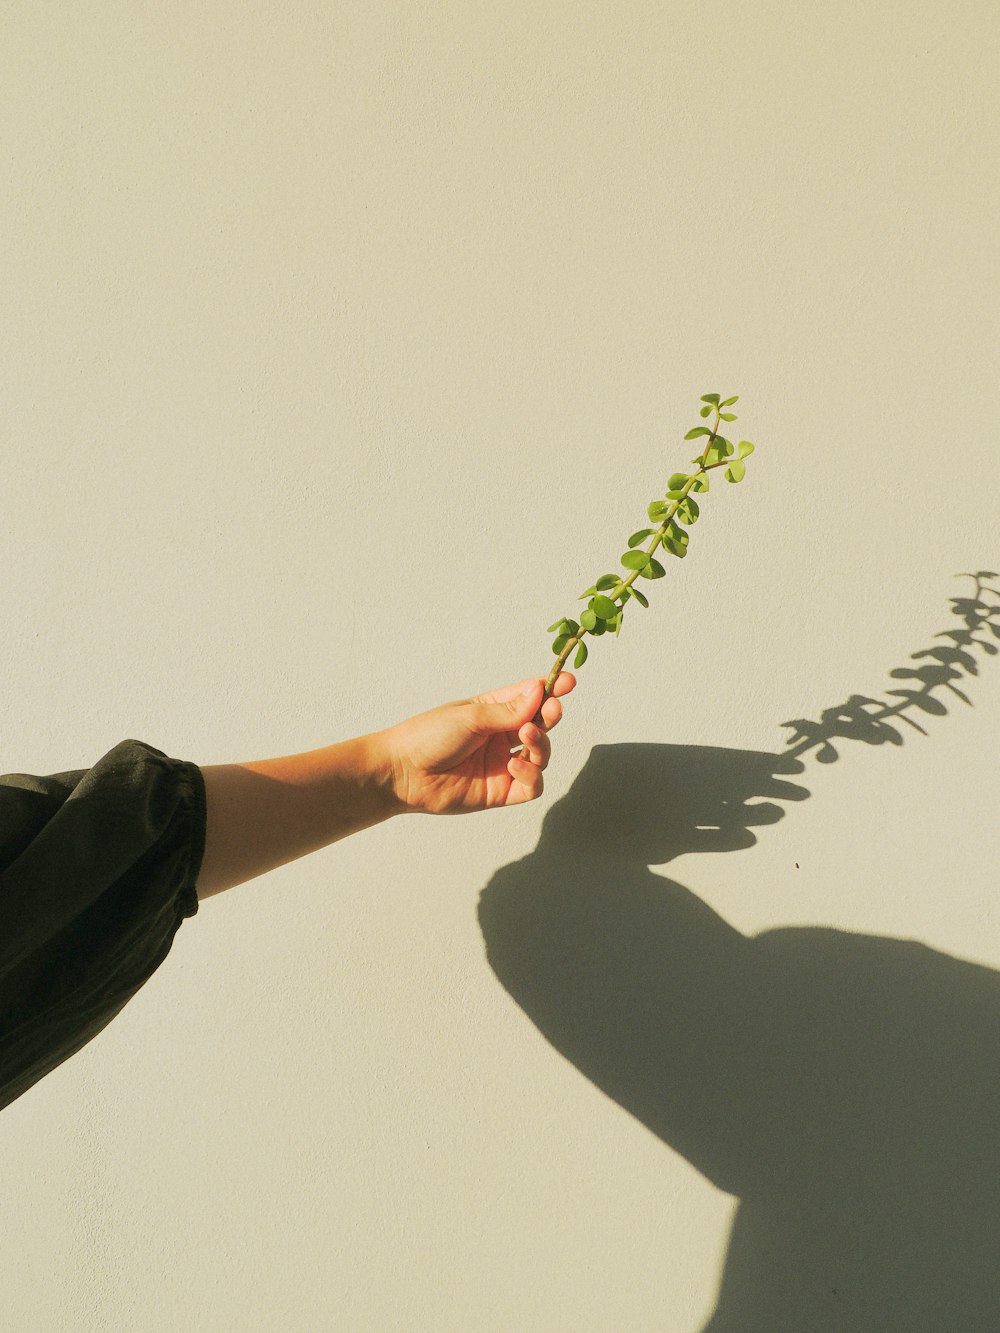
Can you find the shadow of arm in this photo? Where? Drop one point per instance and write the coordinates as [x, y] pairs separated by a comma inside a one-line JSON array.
[[640, 985]]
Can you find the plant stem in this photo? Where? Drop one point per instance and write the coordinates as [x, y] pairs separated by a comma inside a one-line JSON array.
[[654, 543]]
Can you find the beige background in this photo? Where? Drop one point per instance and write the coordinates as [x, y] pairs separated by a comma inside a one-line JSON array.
[[343, 345]]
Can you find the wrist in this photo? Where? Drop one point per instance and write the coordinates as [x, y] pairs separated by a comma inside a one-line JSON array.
[[380, 769]]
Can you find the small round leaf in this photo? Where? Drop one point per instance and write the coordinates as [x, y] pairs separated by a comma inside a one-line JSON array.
[[640, 536], [715, 453]]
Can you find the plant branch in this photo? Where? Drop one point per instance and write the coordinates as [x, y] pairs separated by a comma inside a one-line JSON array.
[[656, 540]]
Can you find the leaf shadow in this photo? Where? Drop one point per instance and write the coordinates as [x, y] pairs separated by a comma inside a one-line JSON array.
[[842, 1086], [861, 718]]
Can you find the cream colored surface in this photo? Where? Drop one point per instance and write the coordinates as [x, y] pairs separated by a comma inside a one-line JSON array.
[[343, 345]]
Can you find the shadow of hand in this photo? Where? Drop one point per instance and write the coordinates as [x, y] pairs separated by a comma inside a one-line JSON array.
[[844, 1087]]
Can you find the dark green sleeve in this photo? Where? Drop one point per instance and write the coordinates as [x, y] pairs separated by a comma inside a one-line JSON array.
[[98, 868]]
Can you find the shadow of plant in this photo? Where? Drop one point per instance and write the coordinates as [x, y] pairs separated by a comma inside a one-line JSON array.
[[870, 720], [843, 1086]]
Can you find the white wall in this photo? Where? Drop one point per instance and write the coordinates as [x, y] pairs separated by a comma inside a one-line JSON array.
[[343, 345]]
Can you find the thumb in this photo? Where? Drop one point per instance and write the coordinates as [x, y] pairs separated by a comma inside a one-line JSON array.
[[512, 714]]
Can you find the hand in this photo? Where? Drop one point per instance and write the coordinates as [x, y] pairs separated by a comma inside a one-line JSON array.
[[457, 757]]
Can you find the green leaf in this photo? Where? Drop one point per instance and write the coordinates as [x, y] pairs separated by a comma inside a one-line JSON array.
[[640, 536], [605, 613], [718, 450], [676, 535]]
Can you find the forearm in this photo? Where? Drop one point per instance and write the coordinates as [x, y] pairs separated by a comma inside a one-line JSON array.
[[267, 812]]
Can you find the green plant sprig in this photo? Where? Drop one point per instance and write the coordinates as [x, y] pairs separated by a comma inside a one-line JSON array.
[[604, 609]]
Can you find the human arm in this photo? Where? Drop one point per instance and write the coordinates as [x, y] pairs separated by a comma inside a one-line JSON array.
[[453, 759]]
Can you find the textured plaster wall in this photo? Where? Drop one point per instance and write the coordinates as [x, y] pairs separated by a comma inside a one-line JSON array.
[[343, 345]]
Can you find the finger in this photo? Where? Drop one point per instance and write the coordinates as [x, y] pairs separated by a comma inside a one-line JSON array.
[[564, 682], [537, 746], [506, 692], [551, 711], [528, 781]]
